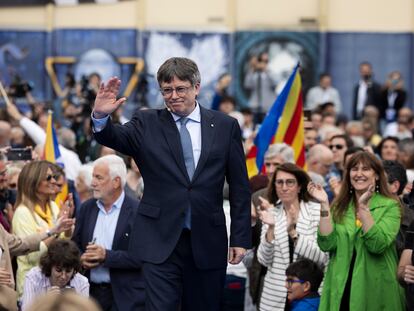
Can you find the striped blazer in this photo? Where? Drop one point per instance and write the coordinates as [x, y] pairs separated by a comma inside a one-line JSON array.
[[275, 255]]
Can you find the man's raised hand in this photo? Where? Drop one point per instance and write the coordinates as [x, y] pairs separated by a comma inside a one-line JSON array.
[[106, 100]]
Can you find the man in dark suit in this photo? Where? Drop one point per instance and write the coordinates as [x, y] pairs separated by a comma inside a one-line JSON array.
[[366, 92], [102, 233], [184, 152]]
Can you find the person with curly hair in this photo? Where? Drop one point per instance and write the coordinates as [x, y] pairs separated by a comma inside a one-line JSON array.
[[57, 272]]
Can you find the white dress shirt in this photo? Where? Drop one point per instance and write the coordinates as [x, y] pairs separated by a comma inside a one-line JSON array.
[[362, 97], [194, 128], [36, 283]]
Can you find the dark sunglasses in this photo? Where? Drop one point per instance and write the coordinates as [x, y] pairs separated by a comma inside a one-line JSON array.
[[339, 147], [49, 177]]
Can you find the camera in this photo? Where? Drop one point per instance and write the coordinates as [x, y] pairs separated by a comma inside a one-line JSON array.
[[19, 154], [19, 88]]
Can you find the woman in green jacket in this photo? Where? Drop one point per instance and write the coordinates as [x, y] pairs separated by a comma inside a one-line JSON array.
[[359, 232]]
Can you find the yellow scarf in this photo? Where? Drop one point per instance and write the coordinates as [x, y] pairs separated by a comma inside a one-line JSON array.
[[46, 216]]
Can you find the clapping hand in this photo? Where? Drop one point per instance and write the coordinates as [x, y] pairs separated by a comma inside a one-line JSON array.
[[265, 213], [265, 204], [106, 100], [68, 207], [366, 196], [409, 274], [63, 224], [267, 217], [317, 192]]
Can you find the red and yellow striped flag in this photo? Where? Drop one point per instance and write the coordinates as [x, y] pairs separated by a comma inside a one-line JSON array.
[[283, 123]]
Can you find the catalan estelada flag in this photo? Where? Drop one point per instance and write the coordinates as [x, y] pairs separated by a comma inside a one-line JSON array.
[[52, 154], [283, 123]]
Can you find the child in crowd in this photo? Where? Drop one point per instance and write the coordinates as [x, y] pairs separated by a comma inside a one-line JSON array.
[[303, 278]]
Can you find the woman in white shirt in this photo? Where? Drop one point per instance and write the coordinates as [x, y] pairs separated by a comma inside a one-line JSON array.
[[58, 272], [289, 232]]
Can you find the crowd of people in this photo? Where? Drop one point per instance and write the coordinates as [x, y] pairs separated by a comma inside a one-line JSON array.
[[338, 236]]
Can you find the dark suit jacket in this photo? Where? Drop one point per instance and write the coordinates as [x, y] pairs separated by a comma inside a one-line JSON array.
[[153, 140], [373, 97], [398, 104], [125, 269]]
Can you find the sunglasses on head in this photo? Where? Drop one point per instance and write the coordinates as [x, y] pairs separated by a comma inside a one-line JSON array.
[[339, 147]]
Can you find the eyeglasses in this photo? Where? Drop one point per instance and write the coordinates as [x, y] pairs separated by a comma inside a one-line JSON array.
[[290, 282], [339, 147], [181, 91], [49, 177], [271, 164], [288, 182]]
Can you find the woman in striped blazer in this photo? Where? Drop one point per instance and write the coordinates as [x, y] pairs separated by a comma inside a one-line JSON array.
[[290, 230]]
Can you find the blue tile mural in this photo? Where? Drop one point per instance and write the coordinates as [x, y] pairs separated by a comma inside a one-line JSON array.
[[24, 53]]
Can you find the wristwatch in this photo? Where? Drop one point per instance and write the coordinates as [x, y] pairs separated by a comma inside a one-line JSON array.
[[324, 213], [50, 234]]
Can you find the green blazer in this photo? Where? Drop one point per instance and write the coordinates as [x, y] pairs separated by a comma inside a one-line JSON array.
[[374, 277]]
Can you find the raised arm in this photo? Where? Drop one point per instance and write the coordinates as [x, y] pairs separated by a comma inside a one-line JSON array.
[[106, 100], [317, 192]]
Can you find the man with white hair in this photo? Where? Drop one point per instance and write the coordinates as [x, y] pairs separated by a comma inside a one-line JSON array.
[[102, 234], [276, 155], [320, 159]]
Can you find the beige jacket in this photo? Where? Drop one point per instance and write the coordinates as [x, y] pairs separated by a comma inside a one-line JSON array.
[[12, 245]]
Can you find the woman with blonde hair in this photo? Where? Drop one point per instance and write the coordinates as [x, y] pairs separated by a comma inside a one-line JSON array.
[[35, 212]]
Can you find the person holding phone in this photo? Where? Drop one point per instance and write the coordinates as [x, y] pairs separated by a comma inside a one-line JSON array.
[[57, 272], [103, 237], [11, 245]]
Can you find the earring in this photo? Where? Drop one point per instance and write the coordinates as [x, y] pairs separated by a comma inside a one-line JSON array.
[[377, 188], [351, 190]]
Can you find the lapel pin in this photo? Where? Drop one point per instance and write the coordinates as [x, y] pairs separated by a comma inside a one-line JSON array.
[[212, 125]]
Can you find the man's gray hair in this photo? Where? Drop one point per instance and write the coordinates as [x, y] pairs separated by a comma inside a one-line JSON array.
[[280, 149], [116, 166]]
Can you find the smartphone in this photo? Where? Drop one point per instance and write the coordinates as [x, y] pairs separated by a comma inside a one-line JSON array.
[[19, 154], [67, 288]]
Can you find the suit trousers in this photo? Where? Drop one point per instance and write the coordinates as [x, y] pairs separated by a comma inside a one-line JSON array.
[[102, 293], [177, 283]]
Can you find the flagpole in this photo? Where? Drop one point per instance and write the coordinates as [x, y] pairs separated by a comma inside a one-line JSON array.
[[4, 94]]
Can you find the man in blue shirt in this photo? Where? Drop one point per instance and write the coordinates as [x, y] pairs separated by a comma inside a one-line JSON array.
[[102, 233]]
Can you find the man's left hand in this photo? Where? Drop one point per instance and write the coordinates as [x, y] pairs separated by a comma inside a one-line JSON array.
[[236, 255]]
